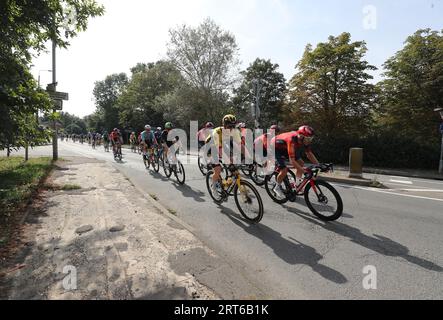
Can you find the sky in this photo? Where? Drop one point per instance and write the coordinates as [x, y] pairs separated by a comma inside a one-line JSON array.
[[133, 31]]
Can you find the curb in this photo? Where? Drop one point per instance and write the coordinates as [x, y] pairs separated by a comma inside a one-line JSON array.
[[350, 181]]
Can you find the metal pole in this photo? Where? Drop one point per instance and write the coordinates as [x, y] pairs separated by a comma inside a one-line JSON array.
[[440, 169], [54, 80]]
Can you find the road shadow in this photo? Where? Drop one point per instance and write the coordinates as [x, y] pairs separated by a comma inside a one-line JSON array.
[[376, 243], [292, 252], [302, 202], [189, 192]]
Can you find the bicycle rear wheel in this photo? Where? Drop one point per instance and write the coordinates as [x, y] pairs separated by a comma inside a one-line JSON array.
[[258, 175], [270, 183], [248, 202], [323, 200]]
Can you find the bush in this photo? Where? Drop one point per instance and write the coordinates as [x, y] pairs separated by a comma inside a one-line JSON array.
[[380, 150]]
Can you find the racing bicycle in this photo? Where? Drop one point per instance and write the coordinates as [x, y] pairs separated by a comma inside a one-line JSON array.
[[321, 197], [246, 196]]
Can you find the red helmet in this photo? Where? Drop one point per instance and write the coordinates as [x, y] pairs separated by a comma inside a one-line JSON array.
[[306, 131], [276, 128], [209, 125]]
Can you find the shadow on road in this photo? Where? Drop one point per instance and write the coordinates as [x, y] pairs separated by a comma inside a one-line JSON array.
[[189, 192], [377, 243], [292, 252]]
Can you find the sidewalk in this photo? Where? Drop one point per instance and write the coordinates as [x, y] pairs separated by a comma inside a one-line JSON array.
[[121, 245]]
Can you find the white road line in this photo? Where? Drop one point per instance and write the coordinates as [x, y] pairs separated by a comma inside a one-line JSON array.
[[391, 193], [401, 181], [419, 190], [400, 184]]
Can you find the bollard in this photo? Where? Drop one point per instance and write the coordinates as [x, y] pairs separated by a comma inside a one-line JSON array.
[[356, 163]]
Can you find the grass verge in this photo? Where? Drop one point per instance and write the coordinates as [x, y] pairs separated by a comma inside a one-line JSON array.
[[18, 181]]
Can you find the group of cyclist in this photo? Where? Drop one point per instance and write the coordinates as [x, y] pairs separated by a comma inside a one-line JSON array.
[[289, 147]]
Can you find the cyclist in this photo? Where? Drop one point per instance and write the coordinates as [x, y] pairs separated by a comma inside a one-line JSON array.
[[203, 134], [94, 140], [262, 142], [148, 141], [167, 144], [133, 142], [116, 140], [158, 133], [105, 140], [227, 132], [290, 146]]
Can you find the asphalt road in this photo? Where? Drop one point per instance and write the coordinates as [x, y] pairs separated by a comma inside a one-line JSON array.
[[293, 255]]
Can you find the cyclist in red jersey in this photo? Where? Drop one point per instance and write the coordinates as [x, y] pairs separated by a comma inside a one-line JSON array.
[[290, 146], [263, 141]]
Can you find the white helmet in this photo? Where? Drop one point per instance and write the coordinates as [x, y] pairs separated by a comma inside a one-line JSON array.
[[147, 127]]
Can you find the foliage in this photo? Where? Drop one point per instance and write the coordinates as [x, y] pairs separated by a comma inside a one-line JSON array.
[[272, 86]]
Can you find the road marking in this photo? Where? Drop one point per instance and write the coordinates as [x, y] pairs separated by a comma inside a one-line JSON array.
[[419, 190], [401, 181], [391, 193]]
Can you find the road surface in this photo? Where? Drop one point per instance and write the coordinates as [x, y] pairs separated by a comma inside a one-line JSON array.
[[388, 239]]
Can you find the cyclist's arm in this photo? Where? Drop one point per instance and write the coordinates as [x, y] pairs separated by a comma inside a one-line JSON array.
[[292, 160], [310, 155]]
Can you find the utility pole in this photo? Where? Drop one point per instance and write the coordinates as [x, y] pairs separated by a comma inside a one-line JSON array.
[[258, 87], [440, 168], [54, 83]]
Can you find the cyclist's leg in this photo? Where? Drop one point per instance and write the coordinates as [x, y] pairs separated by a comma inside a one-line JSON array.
[[281, 158], [299, 173]]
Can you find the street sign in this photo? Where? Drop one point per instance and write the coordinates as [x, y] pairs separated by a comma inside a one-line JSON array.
[[58, 95], [58, 104]]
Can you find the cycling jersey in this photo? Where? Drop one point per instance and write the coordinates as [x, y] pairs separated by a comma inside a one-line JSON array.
[[288, 144], [203, 134], [164, 138], [148, 136], [115, 137], [219, 134]]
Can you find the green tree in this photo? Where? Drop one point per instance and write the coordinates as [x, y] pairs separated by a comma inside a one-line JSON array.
[[25, 28], [272, 91], [414, 88], [207, 58], [106, 94], [330, 89], [149, 82]]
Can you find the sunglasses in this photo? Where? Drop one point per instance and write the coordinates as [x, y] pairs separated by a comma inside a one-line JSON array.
[[307, 139]]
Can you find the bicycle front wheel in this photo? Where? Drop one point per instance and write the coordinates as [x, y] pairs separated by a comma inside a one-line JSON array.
[[202, 166], [218, 197], [166, 168], [180, 173], [323, 200], [156, 164], [248, 202]]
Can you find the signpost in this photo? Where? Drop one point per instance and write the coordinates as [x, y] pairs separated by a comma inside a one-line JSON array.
[[440, 168]]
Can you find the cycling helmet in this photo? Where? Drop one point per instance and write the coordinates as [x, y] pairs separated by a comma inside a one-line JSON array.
[[241, 125], [276, 128], [147, 127], [306, 131], [169, 125], [159, 128], [115, 130], [229, 120], [209, 125]]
